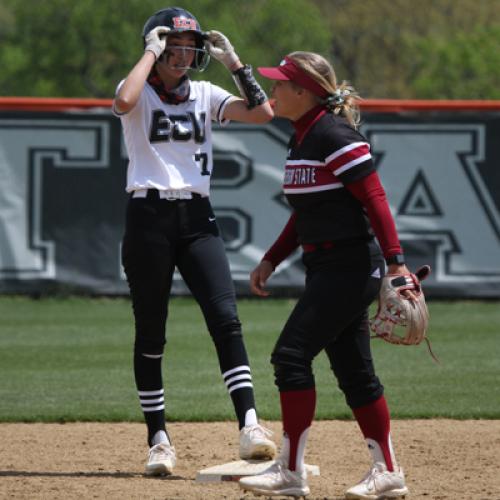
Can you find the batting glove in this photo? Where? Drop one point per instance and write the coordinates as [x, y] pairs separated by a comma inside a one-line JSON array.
[[156, 40], [221, 49]]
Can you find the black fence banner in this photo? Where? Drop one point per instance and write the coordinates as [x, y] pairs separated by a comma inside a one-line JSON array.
[[62, 198]]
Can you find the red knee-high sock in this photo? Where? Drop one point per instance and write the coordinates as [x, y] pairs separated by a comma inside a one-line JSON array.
[[297, 410], [374, 421]]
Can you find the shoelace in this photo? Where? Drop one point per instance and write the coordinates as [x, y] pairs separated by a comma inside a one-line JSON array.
[[370, 475], [260, 431], [162, 449], [275, 470]]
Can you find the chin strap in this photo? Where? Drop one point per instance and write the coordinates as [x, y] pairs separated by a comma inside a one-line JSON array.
[[248, 86]]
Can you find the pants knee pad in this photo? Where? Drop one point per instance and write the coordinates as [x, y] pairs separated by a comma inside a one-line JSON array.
[[292, 373], [362, 391]]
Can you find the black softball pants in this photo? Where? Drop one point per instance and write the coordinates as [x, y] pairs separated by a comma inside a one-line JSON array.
[[332, 315], [160, 235]]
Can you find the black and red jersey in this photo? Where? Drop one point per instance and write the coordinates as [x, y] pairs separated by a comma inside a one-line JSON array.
[[325, 155]]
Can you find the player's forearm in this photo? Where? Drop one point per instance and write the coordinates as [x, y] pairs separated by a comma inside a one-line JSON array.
[[130, 91], [238, 110], [261, 113]]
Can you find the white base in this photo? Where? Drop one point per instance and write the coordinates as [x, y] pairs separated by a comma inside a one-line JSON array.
[[232, 471]]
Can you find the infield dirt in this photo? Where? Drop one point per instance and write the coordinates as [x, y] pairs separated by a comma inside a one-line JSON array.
[[443, 459]]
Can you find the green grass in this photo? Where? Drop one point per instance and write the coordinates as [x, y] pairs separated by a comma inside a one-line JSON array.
[[67, 359]]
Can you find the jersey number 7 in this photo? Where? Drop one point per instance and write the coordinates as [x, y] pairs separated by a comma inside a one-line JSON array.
[[203, 158]]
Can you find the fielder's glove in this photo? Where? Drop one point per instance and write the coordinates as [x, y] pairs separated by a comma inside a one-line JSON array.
[[396, 310], [221, 49], [156, 40]]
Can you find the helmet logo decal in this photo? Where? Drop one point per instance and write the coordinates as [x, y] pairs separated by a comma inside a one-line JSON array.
[[184, 23]]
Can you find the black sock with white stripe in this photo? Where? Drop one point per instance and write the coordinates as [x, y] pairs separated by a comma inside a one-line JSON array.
[[238, 381], [148, 379], [235, 369]]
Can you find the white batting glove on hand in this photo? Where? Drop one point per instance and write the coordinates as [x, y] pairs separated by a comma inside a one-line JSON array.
[[156, 40], [221, 49]]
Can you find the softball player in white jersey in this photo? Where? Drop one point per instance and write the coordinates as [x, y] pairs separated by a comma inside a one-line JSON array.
[[170, 223]]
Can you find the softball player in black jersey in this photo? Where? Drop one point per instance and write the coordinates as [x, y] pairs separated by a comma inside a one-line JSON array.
[[338, 206], [170, 223]]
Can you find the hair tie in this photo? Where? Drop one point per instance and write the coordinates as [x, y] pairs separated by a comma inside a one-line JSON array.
[[337, 99]]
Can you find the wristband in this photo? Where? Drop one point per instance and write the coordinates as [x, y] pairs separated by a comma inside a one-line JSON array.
[[398, 258]]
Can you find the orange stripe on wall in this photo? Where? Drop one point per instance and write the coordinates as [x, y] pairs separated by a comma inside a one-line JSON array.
[[380, 105]]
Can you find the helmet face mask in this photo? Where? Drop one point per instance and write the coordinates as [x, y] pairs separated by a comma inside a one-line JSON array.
[[184, 57], [181, 21]]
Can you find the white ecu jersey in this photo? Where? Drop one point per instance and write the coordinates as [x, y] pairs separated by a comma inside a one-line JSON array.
[[170, 145]]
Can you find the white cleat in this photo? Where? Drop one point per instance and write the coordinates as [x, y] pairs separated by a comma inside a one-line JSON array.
[[161, 460], [255, 443], [277, 480], [379, 483]]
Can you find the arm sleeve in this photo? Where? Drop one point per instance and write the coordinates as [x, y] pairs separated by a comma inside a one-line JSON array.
[[369, 191], [284, 245]]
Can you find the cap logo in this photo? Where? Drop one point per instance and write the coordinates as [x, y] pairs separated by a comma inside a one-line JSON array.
[[283, 62], [183, 23]]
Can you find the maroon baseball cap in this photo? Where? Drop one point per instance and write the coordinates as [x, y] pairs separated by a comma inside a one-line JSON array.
[[288, 70]]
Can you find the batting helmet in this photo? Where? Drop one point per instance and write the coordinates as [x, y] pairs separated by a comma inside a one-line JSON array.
[[180, 20]]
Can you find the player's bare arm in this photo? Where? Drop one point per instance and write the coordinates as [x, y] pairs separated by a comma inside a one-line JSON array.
[[129, 93], [237, 110]]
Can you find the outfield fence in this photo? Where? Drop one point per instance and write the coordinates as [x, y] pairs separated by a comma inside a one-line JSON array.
[[62, 197]]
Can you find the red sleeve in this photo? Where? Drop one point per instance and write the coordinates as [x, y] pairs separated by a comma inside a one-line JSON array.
[[370, 192], [284, 245]]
